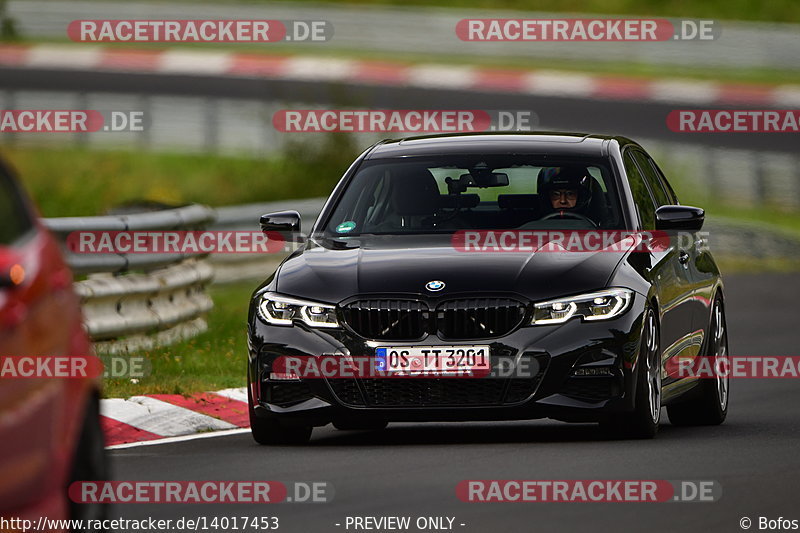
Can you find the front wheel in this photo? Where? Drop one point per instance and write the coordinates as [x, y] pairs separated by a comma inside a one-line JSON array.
[[642, 422], [708, 405], [268, 431]]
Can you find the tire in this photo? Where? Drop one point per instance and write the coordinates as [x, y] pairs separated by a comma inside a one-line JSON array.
[[270, 432], [708, 405], [642, 422], [374, 425], [90, 462]]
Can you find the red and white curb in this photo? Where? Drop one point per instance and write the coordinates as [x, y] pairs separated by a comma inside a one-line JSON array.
[[157, 417], [394, 74]]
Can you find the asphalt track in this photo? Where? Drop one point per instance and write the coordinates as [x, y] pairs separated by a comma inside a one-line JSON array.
[[631, 118], [412, 470]]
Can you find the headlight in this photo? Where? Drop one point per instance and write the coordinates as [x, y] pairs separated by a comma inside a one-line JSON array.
[[282, 310], [599, 305]]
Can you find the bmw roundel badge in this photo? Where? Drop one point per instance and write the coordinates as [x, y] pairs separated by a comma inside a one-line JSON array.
[[435, 285]]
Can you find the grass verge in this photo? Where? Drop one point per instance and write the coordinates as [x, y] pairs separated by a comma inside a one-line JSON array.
[[66, 181]]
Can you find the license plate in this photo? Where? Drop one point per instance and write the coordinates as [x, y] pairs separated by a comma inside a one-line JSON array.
[[432, 360]]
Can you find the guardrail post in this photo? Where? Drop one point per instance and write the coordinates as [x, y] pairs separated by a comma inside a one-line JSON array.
[[760, 162], [796, 166], [145, 137], [712, 174], [211, 138], [9, 102], [82, 102]]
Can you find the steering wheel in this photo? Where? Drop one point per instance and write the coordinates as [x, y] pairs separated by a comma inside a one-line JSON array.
[[567, 214]]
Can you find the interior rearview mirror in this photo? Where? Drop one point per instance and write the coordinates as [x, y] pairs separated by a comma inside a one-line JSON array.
[[497, 179], [484, 178]]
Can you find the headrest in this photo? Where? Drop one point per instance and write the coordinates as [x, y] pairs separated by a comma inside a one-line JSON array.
[[414, 192]]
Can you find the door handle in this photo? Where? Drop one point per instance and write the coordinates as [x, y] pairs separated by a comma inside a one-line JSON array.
[[683, 258]]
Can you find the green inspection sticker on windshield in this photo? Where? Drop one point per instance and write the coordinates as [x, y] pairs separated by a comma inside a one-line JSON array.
[[346, 227]]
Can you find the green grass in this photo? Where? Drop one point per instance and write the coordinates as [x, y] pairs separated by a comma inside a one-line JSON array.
[[79, 182], [214, 360], [729, 264]]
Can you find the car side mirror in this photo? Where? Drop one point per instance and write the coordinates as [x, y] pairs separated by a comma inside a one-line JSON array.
[[283, 221], [679, 217]]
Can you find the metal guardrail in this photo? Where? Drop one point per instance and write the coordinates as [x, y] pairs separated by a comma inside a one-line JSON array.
[[190, 217], [138, 301], [141, 311]]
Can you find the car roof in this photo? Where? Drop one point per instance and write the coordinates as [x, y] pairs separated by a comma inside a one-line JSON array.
[[550, 143]]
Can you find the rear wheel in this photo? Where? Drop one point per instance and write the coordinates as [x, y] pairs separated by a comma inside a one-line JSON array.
[[642, 422], [709, 404], [268, 431]]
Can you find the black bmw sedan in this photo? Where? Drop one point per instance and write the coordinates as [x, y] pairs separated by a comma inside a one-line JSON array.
[[475, 276]]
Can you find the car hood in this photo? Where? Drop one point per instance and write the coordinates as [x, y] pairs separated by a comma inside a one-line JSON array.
[[333, 270]]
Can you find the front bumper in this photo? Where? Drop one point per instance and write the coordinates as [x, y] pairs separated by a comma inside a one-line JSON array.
[[552, 390]]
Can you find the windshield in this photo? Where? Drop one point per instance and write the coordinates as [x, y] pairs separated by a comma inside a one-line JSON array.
[[452, 193]]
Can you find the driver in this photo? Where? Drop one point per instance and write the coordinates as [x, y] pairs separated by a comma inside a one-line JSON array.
[[565, 189]]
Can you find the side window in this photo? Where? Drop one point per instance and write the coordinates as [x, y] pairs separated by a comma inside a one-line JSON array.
[[652, 179], [673, 199], [16, 219], [644, 202]]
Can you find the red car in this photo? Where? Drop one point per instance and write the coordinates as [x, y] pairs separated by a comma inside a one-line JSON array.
[[50, 433]]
